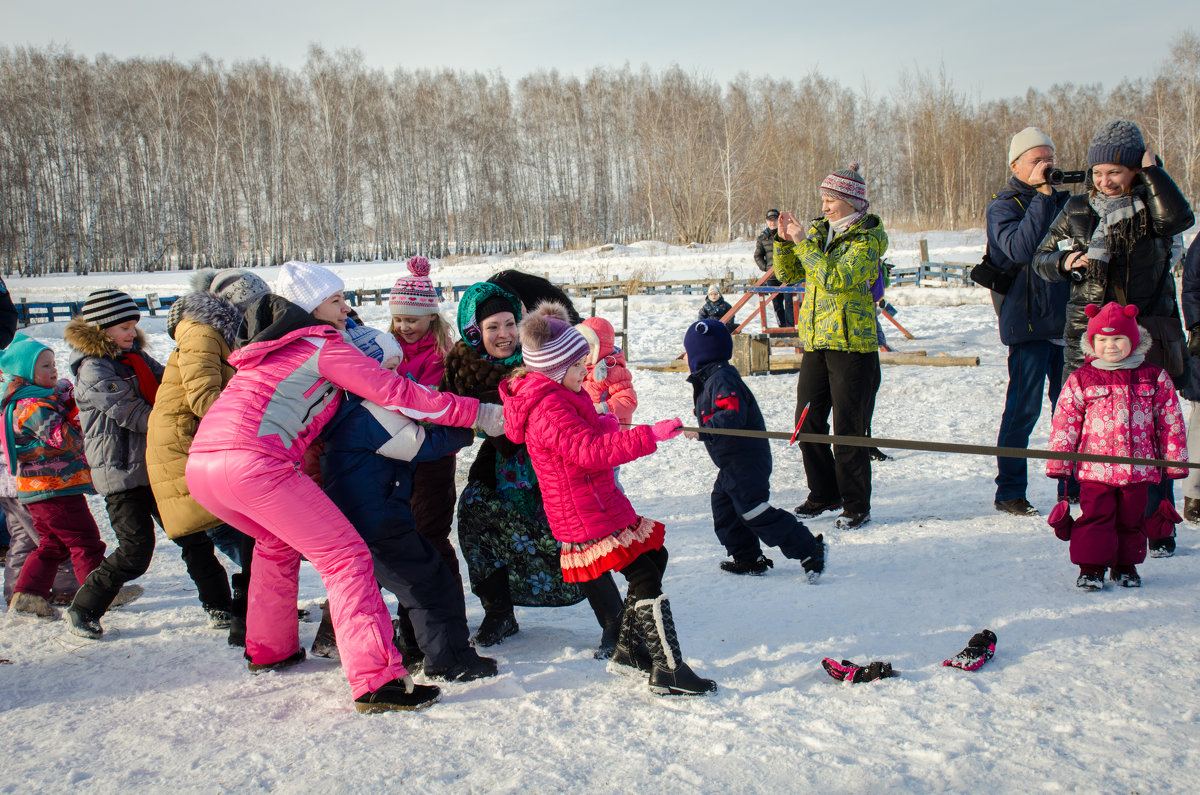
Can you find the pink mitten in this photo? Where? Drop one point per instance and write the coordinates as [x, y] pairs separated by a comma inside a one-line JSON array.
[[1060, 519], [666, 429], [1161, 523], [609, 423]]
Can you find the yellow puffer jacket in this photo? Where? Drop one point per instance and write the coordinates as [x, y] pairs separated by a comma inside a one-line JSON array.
[[838, 313], [196, 372]]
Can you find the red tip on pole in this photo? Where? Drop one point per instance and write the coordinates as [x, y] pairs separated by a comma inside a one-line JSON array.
[[795, 433]]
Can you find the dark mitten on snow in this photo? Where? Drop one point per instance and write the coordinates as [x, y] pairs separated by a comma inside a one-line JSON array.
[[847, 671], [980, 649]]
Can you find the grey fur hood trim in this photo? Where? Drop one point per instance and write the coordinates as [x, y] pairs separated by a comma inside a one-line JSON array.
[[89, 339], [207, 309]]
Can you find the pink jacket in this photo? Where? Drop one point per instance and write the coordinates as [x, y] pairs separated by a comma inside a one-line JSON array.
[[612, 383], [1131, 413], [573, 450], [423, 362], [287, 389]]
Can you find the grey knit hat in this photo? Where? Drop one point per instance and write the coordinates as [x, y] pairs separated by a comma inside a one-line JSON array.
[[1118, 142], [238, 287], [108, 308]]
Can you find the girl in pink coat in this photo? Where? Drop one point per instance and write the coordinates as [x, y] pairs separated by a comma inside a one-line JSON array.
[[573, 450], [244, 467], [1116, 404]]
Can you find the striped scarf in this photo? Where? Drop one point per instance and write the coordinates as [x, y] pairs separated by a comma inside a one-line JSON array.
[[1122, 221]]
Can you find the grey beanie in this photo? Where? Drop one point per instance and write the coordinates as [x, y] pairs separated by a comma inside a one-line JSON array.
[[239, 287], [1118, 142]]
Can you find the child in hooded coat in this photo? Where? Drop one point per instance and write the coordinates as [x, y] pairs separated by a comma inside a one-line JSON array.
[[44, 448], [574, 450], [116, 383], [609, 383], [1115, 404], [367, 470]]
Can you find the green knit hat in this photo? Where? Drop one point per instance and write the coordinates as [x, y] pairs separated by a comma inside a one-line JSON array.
[[20, 357]]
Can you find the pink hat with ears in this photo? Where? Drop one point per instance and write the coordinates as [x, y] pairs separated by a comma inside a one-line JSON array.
[[1112, 321]]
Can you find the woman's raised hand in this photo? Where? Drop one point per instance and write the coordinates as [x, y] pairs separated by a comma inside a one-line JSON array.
[[1149, 158]]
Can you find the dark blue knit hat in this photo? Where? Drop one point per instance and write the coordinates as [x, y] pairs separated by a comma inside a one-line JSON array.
[[1118, 142], [707, 341]]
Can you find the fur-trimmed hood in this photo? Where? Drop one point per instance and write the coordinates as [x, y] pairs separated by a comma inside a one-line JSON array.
[[1144, 343], [208, 309], [88, 339]]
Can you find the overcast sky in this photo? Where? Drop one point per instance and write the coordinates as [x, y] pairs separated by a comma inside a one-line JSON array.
[[989, 49]]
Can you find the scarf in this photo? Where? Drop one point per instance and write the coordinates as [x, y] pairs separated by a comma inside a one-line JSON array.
[[1122, 221], [843, 224], [1130, 362], [147, 383], [10, 435], [468, 324]]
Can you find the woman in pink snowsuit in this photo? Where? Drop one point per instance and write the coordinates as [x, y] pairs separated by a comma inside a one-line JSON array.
[[1120, 405], [244, 467]]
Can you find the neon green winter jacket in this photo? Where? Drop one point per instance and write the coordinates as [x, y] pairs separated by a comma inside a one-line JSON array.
[[838, 313]]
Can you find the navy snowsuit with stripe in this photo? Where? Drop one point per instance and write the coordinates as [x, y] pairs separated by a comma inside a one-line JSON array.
[[743, 516]]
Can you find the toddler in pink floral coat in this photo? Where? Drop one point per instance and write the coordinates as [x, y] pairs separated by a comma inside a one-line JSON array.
[[1117, 404]]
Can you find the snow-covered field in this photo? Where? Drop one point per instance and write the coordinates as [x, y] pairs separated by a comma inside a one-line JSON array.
[[1091, 692]]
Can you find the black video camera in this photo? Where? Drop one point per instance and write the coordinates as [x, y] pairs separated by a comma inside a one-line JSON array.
[[1056, 176]]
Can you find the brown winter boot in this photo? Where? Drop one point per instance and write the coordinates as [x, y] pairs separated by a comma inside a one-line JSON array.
[[28, 604]]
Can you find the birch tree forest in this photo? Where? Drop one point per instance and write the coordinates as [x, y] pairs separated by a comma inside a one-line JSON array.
[[155, 164]]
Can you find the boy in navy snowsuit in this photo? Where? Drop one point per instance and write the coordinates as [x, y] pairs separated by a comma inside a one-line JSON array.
[[367, 468], [743, 516]]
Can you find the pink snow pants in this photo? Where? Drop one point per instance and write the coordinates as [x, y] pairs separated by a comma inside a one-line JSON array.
[[288, 515]]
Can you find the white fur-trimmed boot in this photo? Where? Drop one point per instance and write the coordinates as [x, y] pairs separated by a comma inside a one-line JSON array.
[[671, 675]]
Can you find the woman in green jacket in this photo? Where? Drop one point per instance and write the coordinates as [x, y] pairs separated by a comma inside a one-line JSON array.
[[838, 260]]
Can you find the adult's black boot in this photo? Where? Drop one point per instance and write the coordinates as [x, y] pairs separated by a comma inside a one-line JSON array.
[[604, 597], [325, 642], [671, 675], [499, 620]]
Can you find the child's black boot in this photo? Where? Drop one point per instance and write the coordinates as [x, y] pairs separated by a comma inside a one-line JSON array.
[[671, 675]]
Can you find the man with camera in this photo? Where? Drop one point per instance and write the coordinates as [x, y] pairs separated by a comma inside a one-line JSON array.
[[764, 257], [1031, 311]]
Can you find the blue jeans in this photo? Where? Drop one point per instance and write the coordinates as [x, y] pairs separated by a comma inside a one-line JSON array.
[[1031, 365]]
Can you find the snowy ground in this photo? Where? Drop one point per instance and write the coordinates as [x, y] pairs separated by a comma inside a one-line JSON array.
[[1091, 692]]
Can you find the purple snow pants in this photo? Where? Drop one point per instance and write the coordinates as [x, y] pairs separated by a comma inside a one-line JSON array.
[[1109, 533], [288, 516]]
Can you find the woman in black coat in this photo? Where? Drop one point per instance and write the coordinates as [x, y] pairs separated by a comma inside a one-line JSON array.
[[1114, 244]]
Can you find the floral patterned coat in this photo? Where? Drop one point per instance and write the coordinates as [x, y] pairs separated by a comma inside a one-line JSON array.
[[1132, 413]]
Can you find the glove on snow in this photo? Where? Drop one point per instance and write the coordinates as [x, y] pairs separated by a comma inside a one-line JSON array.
[[490, 419], [846, 671], [980, 649], [666, 429], [1060, 519]]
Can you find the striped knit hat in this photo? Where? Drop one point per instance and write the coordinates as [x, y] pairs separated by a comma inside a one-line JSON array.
[[108, 308], [848, 186], [414, 295], [374, 343], [549, 343]]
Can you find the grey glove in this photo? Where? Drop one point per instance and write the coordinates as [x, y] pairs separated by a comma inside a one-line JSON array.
[[490, 419]]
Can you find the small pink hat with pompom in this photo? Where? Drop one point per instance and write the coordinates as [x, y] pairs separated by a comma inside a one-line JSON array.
[[414, 295], [1113, 320]]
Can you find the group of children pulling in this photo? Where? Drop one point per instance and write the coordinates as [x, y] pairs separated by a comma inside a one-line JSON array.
[[279, 417]]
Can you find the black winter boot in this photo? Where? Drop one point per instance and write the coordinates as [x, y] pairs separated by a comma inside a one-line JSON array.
[[325, 643], [404, 637], [630, 656], [499, 621], [671, 675], [398, 694], [605, 599], [237, 610]]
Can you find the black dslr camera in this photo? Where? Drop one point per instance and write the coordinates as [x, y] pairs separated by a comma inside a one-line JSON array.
[[1056, 176]]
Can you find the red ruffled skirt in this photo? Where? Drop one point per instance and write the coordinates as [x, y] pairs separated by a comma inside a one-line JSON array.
[[591, 559]]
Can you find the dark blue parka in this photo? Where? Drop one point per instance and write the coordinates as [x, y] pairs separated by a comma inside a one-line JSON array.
[[1189, 302], [724, 401], [372, 490], [1018, 218]]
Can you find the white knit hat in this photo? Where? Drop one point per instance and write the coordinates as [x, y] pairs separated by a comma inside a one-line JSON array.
[[307, 285], [1025, 140]]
